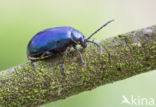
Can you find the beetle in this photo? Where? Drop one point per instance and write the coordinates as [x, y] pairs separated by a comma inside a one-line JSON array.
[[58, 40]]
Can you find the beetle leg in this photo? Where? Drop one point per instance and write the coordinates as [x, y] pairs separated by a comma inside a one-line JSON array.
[[96, 45], [64, 56], [83, 63], [29, 58], [45, 53]]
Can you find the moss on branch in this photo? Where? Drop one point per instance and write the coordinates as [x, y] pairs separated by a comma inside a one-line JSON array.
[[36, 83]]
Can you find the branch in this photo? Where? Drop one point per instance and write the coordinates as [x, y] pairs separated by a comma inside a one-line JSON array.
[[36, 83]]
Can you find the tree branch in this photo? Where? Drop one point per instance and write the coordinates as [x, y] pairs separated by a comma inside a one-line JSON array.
[[40, 82]]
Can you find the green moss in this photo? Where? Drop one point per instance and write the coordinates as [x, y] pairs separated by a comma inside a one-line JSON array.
[[35, 83]]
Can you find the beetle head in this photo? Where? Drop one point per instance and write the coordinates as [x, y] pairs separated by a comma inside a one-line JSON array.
[[83, 42]]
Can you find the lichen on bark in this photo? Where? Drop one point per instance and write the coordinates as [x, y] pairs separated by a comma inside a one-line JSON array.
[[36, 83]]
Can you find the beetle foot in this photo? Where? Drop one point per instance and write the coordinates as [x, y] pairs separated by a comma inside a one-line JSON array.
[[62, 67], [83, 63]]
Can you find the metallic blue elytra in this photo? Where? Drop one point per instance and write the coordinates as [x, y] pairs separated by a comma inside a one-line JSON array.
[[57, 40], [53, 40]]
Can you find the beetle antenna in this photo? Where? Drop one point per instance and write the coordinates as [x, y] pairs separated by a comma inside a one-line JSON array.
[[100, 28]]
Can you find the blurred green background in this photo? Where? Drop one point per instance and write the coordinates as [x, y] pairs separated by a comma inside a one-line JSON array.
[[21, 19]]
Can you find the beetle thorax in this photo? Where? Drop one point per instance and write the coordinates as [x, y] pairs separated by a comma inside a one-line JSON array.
[[78, 38]]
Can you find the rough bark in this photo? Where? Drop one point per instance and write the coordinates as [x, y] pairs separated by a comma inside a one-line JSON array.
[[33, 84]]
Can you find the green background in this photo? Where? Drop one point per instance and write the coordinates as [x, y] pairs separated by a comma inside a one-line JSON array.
[[21, 19]]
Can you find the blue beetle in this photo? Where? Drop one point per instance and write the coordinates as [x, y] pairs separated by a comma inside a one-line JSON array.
[[57, 40]]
